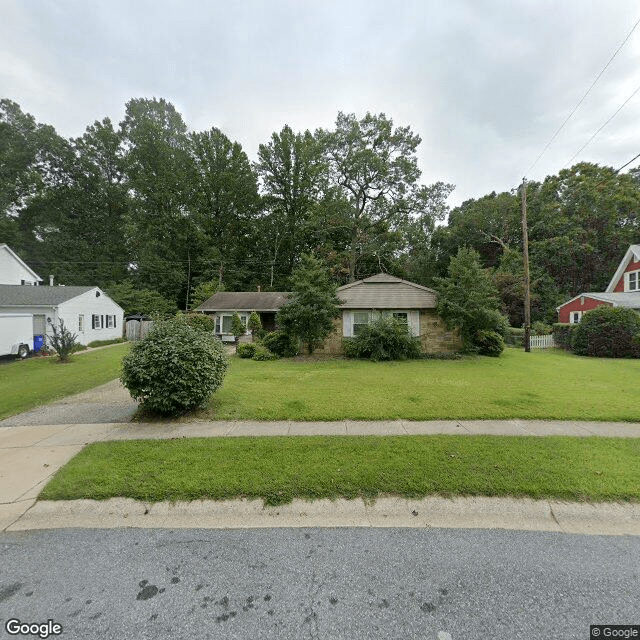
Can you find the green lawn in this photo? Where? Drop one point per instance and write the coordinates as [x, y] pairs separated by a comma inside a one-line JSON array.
[[544, 384], [278, 469], [25, 384]]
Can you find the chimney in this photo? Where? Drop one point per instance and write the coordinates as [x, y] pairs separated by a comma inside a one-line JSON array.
[[51, 281], [258, 288]]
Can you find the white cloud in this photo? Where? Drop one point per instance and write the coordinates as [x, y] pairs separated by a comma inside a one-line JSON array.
[[485, 83]]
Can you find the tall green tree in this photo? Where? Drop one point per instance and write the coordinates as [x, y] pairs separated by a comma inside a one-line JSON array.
[[374, 167], [468, 299], [314, 304], [80, 220], [581, 222], [419, 253], [293, 171], [33, 161], [159, 178], [225, 206]]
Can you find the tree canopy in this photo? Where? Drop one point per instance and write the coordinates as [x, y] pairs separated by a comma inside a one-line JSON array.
[[154, 206]]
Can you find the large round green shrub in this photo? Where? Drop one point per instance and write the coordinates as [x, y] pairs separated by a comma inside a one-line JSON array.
[[246, 349], [384, 339], [281, 343], [175, 368], [199, 321], [607, 332], [489, 343]]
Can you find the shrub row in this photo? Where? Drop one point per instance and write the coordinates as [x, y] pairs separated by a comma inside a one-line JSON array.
[[255, 351], [604, 332], [562, 333], [384, 339], [104, 343]]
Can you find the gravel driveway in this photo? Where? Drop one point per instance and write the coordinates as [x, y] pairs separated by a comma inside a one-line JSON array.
[[109, 402]]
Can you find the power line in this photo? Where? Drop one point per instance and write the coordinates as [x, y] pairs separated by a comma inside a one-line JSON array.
[[602, 127], [619, 169], [553, 137]]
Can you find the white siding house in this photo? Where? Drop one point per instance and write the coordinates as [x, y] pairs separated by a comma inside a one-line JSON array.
[[86, 311], [13, 270]]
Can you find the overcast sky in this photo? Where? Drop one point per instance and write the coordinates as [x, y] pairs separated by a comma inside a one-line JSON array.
[[484, 83]]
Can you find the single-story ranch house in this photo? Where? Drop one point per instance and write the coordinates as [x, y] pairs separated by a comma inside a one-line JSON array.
[[86, 311], [623, 291], [362, 302]]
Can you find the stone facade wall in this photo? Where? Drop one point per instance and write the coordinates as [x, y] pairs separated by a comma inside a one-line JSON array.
[[333, 344], [434, 336]]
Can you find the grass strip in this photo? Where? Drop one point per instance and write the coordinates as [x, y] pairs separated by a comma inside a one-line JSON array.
[[25, 384], [278, 469], [544, 384]]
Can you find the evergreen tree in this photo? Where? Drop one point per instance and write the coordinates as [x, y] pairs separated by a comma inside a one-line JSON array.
[[468, 299], [314, 304]]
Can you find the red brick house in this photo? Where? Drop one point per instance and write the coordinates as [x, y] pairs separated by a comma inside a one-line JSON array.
[[623, 290]]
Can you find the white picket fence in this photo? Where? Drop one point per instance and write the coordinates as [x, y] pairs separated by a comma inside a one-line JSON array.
[[136, 330], [542, 342]]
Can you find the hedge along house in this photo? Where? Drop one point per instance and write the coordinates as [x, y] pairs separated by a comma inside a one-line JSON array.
[[623, 291], [363, 302], [222, 305], [86, 311]]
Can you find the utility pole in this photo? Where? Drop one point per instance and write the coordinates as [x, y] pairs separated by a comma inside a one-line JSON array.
[[525, 255]]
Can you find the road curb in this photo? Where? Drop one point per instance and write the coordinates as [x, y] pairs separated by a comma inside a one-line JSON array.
[[431, 512]]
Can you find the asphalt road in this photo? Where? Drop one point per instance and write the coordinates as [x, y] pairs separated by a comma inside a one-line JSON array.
[[319, 583]]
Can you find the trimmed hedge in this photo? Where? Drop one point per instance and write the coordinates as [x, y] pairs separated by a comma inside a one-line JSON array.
[[104, 343], [607, 332], [562, 332], [199, 321]]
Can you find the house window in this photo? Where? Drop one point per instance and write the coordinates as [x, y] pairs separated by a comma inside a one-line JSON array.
[[575, 317], [80, 323], [360, 320], [95, 321], [401, 316], [226, 322], [110, 322], [633, 281]]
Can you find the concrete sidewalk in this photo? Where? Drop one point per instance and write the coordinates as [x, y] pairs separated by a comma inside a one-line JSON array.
[[30, 455]]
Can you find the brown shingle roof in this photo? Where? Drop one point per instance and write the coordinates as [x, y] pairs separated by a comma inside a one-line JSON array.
[[245, 301], [381, 291]]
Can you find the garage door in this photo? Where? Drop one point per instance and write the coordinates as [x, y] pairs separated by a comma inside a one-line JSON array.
[[39, 325]]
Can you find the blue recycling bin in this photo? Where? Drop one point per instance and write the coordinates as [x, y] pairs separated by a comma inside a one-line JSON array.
[[38, 343]]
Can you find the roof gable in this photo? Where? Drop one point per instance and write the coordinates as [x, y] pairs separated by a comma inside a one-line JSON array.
[[5, 248], [633, 253], [383, 291], [620, 299]]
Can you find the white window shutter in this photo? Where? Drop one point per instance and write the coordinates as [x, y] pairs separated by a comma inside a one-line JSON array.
[[347, 331], [414, 322]]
